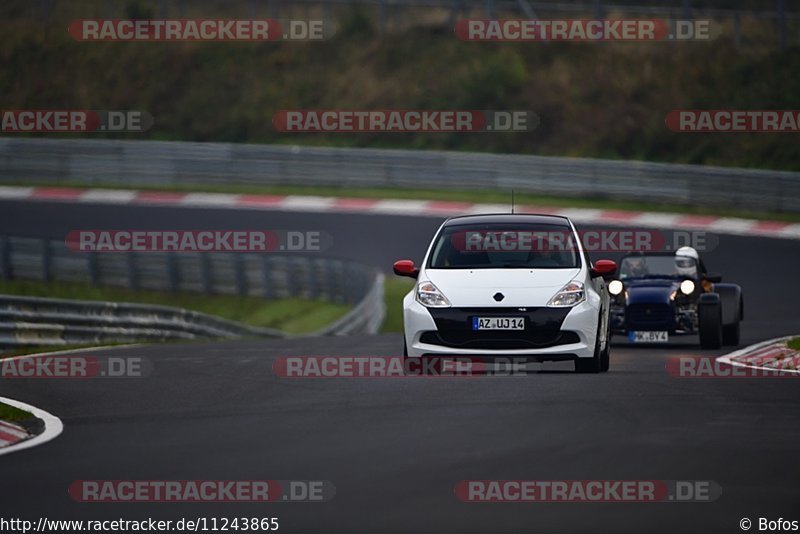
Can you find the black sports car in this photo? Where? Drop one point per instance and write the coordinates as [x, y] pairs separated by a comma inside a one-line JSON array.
[[659, 295]]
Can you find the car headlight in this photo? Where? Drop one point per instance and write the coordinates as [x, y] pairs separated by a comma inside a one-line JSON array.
[[687, 287], [570, 295], [615, 287], [429, 295]]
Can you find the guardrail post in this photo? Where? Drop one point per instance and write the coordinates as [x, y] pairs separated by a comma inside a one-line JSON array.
[[6, 270], [294, 283], [205, 272], [348, 285], [172, 272], [334, 282], [266, 278], [314, 289], [341, 282], [91, 268], [47, 255], [239, 274], [133, 279]]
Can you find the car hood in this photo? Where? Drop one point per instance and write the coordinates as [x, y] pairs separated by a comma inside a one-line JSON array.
[[520, 287], [650, 291]]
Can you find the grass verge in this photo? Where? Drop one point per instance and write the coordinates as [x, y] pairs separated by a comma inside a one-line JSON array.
[[453, 195], [395, 290], [11, 414], [296, 316], [794, 343]]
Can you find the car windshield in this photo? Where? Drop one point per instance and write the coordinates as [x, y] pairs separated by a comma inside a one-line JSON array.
[[505, 246], [658, 267]]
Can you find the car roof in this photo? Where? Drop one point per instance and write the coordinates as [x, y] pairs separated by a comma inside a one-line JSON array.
[[490, 218]]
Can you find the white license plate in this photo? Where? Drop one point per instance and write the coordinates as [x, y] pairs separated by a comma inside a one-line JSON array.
[[648, 337], [498, 323]]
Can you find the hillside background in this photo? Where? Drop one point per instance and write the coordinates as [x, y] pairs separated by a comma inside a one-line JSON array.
[[604, 100]]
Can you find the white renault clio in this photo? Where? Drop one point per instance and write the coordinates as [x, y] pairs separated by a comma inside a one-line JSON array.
[[508, 286]]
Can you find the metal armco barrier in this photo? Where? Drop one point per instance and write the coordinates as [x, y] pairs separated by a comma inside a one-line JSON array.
[[42, 321], [45, 321], [159, 163]]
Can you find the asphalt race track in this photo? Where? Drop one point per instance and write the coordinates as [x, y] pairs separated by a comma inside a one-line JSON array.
[[395, 448]]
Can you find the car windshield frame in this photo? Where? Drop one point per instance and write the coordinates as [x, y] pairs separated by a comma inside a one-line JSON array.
[[447, 231], [656, 276]]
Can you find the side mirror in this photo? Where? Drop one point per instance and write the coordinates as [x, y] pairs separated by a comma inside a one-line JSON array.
[[714, 278], [603, 268], [405, 268]]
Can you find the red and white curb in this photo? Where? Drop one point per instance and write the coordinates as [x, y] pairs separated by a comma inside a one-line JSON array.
[[770, 355], [52, 424], [636, 219], [52, 428], [11, 434]]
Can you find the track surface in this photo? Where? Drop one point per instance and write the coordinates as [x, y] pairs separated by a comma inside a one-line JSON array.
[[394, 448]]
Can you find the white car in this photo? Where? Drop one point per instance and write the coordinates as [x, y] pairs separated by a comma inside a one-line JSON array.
[[508, 286]]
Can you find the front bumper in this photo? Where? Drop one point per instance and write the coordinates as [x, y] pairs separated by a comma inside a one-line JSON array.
[[677, 320], [550, 333]]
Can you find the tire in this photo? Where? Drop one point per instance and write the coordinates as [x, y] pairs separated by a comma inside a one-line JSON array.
[[710, 319], [405, 356], [605, 355], [595, 363], [731, 333]]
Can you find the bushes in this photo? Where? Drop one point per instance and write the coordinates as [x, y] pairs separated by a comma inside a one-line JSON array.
[[594, 99]]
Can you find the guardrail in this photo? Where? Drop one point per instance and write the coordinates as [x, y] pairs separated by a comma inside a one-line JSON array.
[[37, 321], [161, 163], [24, 320]]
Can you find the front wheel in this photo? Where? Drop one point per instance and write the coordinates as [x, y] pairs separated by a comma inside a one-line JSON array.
[[598, 363], [605, 355], [710, 321]]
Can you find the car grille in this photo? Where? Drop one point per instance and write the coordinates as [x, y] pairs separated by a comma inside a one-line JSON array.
[[499, 340], [642, 316], [542, 329]]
